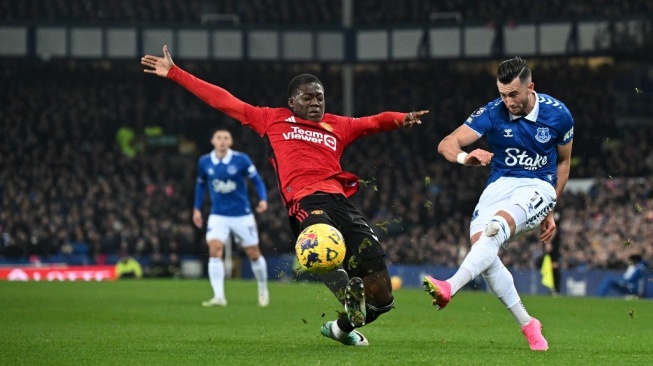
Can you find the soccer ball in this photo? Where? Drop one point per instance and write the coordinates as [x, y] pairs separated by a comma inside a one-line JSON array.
[[320, 248]]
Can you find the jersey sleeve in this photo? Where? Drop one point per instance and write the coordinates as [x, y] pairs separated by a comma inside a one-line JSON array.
[[257, 118], [250, 169], [480, 121], [256, 179], [200, 186], [566, 127], [253, 117], [363, 126], [210, 94], [260, 187]]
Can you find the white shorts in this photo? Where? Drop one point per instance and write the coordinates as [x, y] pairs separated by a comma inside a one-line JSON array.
[[243, 227], [535, 196]]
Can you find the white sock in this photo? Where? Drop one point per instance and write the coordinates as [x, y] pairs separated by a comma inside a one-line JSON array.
[[216, 277], [520, 313], [260, 270], [459, 279], [337, 332], [481, 256], [486, 248], [500, 281]]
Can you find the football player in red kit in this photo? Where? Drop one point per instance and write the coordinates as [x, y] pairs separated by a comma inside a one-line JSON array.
[[305, 145]]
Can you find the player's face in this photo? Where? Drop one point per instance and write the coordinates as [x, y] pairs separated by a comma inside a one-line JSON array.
[[221, 141], [308, 103], [517, 96]]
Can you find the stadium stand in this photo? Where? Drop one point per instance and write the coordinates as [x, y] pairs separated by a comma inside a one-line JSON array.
[[366, 13]]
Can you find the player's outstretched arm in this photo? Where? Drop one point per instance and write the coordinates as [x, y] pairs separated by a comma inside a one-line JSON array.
[[210, 94], [413, 118], [451, 148], [159, 66], [384, 121]]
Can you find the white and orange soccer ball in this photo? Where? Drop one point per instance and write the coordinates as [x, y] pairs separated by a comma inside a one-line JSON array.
[[320, 248]]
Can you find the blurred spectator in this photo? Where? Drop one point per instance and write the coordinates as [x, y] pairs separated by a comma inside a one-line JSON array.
[[128, 267], [632, 282]]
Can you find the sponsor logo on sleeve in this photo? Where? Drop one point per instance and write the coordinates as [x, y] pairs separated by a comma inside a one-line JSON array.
[[475, 114], [569, 134]]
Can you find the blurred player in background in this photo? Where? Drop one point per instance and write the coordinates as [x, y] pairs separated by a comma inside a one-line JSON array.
[[530, 137], [223, 171], [305, 145]]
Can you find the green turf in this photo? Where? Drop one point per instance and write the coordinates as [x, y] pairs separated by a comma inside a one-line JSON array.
[[153, 322]]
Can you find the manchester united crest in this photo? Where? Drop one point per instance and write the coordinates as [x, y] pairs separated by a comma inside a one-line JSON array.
[[326, 126]]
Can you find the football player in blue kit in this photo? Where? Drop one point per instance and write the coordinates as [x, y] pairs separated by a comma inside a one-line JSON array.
[[530, 138], [224, 172]]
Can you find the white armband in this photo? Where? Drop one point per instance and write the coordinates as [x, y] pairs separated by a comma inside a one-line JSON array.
[[461, 158]]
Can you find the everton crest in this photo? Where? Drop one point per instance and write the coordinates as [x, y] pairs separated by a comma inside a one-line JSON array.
[[543, 135]]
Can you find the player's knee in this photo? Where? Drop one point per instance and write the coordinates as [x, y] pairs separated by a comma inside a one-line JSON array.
[[498, 229], [216, 248], [253, 252], [497, 226], [378, 287]]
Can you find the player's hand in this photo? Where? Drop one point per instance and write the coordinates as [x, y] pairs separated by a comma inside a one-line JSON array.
[[197, 218], [414, 118], [262, 206], [548, 226], [478, 157], [158, 65]]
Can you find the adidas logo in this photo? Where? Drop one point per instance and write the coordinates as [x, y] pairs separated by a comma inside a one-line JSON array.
[[291, 119]]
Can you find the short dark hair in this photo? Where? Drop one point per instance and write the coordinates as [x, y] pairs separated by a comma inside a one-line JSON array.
[[635, 258], [508, 70], [300, 80], [217, 129]]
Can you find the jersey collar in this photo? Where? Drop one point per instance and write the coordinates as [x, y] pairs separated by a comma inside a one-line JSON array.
[[225, 160], [534, 112]]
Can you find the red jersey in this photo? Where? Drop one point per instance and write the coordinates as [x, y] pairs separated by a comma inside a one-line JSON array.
[[305, 154]]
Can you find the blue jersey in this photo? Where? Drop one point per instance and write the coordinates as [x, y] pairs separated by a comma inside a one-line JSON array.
[[226, 181], [524, 146]]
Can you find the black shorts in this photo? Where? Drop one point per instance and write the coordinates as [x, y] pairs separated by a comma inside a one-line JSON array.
[[364, 252]]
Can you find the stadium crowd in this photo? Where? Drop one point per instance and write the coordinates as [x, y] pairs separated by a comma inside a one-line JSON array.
[[68, 192], [366, 13]]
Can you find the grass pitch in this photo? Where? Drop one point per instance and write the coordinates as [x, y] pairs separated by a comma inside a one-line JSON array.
[[161, 322]]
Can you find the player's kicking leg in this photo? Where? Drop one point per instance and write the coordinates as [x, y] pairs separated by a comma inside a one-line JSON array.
[[440, 291], [355, 306], [365, 300], [338, 282], [331, 330]]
